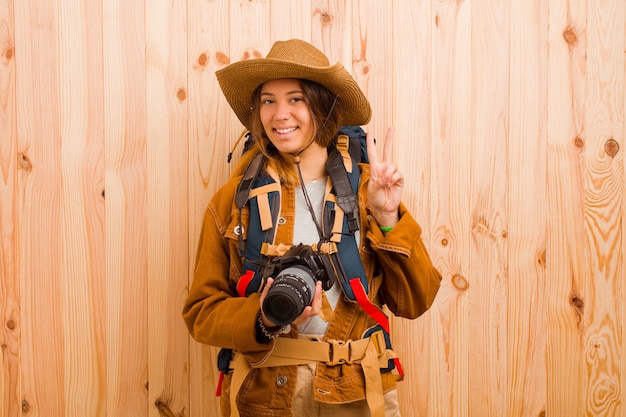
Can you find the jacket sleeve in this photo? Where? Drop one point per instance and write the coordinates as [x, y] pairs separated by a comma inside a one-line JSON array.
[[401, 271], [213, 311], [408, 279]]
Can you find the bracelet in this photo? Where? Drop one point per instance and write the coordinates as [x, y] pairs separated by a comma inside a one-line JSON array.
[[267, 333], [385, 229]]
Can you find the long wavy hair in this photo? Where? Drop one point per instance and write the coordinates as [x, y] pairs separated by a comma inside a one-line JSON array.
[[324, 119]]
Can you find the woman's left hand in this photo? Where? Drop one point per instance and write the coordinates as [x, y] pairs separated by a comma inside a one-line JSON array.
[[384, 190]]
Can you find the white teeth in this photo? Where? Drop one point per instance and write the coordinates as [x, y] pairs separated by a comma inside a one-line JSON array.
[[282, 131]]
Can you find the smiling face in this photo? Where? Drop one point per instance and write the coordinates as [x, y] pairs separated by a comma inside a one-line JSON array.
[[285, 116]]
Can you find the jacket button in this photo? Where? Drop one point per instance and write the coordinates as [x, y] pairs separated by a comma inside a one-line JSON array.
[[281, 380], [282, 220]]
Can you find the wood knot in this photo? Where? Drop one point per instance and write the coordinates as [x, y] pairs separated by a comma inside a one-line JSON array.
[[11, 325], [542, 259], [24, 162], [203, 60], [611, 147], [326, 19], [163, 409], [181, 94], [252, 54], [459, 282], [8, 53], [579, 143], [570, 36], [25, 407], [222, 58], [577, 303], [444, 242]]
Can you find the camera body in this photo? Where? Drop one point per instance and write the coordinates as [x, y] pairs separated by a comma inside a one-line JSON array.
[[295, 274]]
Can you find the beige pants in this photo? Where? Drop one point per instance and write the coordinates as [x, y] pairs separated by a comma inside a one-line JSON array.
[[304, 405]]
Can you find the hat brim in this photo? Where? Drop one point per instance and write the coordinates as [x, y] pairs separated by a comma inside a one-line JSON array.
[[239, 80]]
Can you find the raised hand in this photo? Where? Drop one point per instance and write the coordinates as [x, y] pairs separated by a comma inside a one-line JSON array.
[[384, 190]]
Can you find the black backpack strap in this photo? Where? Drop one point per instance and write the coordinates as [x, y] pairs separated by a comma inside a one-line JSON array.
[[243, 193], [346, 199]]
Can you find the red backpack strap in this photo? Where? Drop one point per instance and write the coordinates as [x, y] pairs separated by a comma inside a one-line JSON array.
[[372, 310]]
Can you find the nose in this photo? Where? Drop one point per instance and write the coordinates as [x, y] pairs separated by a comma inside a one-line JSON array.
[[282, 110]]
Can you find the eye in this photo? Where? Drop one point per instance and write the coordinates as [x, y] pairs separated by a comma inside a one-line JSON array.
[[297, 99], [267, 101]]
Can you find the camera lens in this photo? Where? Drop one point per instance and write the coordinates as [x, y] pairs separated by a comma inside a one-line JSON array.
[[290, 293]]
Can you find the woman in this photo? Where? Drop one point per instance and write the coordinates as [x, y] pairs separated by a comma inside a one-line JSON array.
[[331, 355]]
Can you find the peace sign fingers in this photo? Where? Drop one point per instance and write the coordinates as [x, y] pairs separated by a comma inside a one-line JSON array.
[[372, 152], [386, 182], [380, 167]]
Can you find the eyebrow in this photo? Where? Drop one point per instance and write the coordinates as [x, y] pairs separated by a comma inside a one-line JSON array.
[[265, 93]]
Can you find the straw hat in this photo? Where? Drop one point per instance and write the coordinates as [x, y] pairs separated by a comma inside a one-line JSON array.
[[293, 59]]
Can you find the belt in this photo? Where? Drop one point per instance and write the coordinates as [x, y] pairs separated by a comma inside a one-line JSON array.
[[370, 352]]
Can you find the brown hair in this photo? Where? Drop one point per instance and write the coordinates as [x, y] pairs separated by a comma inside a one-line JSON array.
[[324, 118]]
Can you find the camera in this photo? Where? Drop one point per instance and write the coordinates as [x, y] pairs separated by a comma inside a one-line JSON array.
[[295, 274]]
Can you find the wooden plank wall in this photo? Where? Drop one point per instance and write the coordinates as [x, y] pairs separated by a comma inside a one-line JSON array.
[[510, 132]]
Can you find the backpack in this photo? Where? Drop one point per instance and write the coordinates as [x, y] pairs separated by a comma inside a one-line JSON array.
[[349, 145]]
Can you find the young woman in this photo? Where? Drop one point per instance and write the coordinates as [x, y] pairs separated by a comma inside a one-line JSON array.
[[293, 267]]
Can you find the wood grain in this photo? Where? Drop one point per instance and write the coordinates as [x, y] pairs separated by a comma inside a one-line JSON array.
[[488, 274], [510, 127], [167, 192], [603, 199], [39, 210], [565, 245], [445, 121], [9, 278], [526, 234], [208, 169], [124, 191]]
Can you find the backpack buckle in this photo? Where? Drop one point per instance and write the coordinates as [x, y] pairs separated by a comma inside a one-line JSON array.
[[339, 352], [378, 339]]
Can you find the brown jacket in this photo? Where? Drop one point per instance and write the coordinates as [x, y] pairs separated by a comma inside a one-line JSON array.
[[399, 272]]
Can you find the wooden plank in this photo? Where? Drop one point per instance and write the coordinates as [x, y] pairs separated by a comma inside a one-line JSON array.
[[290, 19], [82, 245], [39, 205], [330, 30], [566, 271], [208, 170], [622, 270], [10, 390], [404, 102], [487, 275], [447, 119], [124, 115], [250, 37], [372, 62], [603, 200], [167, 205], [526, 302]]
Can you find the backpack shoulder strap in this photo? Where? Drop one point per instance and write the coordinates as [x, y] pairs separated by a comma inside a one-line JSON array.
[[346, 197]]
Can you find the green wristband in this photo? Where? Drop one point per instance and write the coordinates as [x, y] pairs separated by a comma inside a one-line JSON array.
[[385, 229]]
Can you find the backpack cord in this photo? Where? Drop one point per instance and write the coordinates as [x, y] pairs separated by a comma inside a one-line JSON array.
[[308, 201]]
